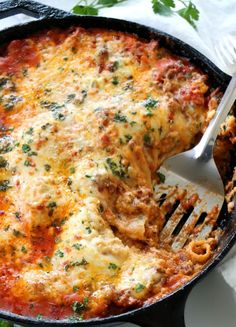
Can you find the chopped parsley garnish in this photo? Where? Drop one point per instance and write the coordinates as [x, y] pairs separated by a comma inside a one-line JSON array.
[[118, 118], [58, 116], [114, 66], [25, 72], [52, 204], [132, 123], [83, 262], [26, 148], [147, 140], [51, 105], [79, 306], [32, 153], [84, 95], [89, 230], [23, 249], [27, 163], [72, 170], [5, 145], [100, 208], [66, 267], [139, 287], [112, 266], [47, 167], [55, 108], [75, 288], [30, 131], [44, 127], [17, 233], [11, 101], [161, 177], [39, 316], [150, 104], [17, 215], [77, 246], [128, 137], [3, 81], [59, 254], [118, 170], [115, 80], [3, 162], [71, 96], [4, 185], [69, 181]]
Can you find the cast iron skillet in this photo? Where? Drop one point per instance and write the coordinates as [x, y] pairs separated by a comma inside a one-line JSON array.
[[168, 311]]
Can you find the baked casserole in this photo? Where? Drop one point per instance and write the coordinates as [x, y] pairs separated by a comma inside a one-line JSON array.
[[87, 117]]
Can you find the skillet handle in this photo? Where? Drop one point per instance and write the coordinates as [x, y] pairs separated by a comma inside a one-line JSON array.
[[30, 8], [169, 313]]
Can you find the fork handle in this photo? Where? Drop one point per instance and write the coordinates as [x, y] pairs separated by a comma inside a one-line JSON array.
[[204, 148]]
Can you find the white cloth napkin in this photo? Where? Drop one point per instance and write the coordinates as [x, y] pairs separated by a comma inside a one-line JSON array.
[[217, 18]]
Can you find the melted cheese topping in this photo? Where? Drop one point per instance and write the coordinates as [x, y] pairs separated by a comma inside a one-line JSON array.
[[87, 117]]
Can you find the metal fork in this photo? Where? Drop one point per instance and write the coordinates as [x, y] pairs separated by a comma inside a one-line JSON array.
[[193, 192]]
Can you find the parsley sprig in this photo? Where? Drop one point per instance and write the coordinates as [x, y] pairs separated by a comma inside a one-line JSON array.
[[85, 7], [189, 11], [167, 8]]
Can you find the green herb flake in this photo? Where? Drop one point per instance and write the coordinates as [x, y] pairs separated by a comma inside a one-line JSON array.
[[69, 181], [132, 123], [118, 118], [115, 80], [3, 82], [161, 177], [23, 249], [26, 148], [77, 306], [17, 233], [100, 208], [32, 153], [17, 214], [3, 162], [59, 254], [47, 167], [27, 163], [77, 246], [71, 97], [72, 170], [112, 266], [39, 316], [128, 137], [11, 101], [150, 103], [117, 169], [52, 204], [67, 267], [4, 185], [30, 131], [75, 288], [89, 230], [114, 66], [139, 288], [147, 140]]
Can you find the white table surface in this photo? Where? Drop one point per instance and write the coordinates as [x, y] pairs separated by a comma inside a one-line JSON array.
[[212, 303]]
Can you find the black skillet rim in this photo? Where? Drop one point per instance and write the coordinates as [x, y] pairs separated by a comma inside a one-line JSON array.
[[184, 50]]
